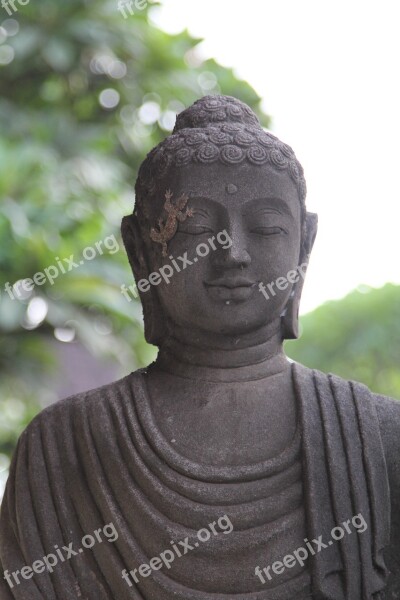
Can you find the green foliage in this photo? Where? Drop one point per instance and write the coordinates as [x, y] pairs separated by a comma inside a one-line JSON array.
[[86, 96], [357, 338]]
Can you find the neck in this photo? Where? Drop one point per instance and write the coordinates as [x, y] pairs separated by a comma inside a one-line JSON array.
[[252, 356]]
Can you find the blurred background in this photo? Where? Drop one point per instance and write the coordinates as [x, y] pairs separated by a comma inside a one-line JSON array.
[[87, 88]]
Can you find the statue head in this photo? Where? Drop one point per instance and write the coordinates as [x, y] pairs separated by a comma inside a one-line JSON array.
[[219, 212]]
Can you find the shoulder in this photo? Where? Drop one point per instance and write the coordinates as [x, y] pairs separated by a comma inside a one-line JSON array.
[[388, 412], [89, 403]]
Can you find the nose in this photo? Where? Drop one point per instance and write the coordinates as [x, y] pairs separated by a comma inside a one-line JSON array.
[[236, 255]]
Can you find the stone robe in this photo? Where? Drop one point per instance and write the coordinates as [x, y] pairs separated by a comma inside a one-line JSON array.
[[98, 458]]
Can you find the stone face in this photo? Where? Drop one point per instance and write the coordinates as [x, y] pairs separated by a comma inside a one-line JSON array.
[[221, 470]]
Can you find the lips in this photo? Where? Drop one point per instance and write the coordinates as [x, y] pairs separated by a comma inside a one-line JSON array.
[[227, 289], [231, 282]]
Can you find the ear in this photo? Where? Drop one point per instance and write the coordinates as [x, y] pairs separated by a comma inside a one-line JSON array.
[[154, 321], [290, 317], [134, 246]]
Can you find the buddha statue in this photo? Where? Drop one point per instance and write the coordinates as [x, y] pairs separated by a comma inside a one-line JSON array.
[[223, 470]]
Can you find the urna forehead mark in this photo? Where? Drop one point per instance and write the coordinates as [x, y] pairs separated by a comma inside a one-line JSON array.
[[231, 188]]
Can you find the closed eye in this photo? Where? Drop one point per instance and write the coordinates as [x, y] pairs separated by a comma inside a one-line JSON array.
[[194, 229], [268, 230]]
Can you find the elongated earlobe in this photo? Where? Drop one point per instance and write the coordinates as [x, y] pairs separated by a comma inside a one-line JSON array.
[[290, 317], [154, 321]]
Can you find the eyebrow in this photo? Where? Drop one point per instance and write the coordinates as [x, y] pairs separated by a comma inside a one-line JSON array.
[[271, 205], [268, 209], [201, 211]]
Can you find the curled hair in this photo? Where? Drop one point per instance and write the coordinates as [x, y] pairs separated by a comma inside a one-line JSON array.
[[215, 129]]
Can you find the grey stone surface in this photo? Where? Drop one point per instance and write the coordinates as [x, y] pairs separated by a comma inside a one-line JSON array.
[[222, 429]]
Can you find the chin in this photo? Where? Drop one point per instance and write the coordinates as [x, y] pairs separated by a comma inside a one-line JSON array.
[[232, 320]]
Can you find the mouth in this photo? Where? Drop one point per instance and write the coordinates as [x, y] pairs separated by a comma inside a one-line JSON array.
[[226, 289], [231, 283]]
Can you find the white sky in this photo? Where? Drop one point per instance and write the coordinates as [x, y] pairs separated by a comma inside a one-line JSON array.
[[329, 76]]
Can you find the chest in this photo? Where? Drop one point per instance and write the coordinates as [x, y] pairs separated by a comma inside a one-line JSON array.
[[225, 424]]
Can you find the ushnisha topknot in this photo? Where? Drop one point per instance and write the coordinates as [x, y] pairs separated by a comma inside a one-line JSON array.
[[214, 129], [214, 110]]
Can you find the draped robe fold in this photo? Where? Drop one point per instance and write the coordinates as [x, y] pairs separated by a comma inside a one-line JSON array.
[[98, 458]]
